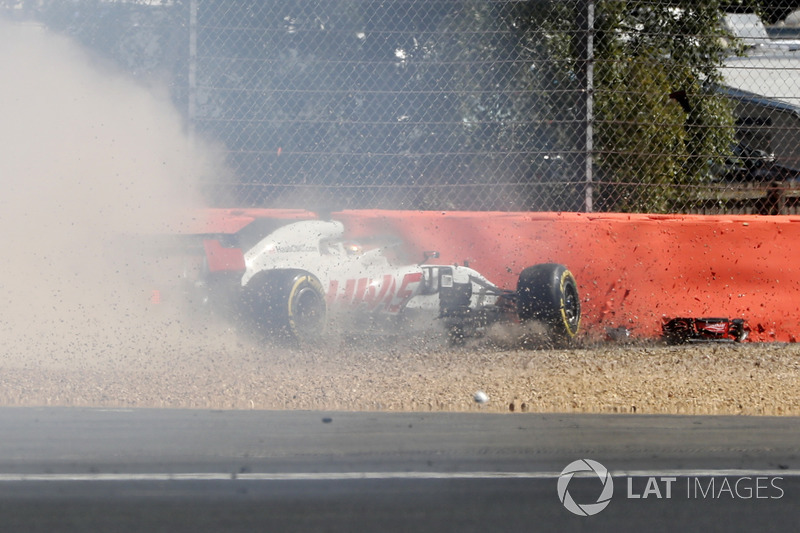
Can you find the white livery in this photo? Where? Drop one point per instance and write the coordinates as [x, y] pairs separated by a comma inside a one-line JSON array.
[[301, 273]]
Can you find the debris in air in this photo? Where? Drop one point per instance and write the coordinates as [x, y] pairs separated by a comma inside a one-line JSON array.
[[619, 334], [481, 397]]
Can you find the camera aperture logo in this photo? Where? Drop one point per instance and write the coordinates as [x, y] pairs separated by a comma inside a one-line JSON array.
[[585, 467]]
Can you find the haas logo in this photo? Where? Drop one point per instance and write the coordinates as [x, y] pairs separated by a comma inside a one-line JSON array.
[[387, 293]]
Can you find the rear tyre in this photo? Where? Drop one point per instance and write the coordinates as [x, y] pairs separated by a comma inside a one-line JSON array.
[[548, 293], [285, 305]]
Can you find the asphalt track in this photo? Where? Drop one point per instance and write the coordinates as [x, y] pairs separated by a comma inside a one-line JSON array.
[[64, 469]]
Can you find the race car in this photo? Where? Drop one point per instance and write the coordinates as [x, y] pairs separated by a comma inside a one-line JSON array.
[[300, 275]]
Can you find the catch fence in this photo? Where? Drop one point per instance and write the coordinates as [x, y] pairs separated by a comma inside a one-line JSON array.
[[576, 105]]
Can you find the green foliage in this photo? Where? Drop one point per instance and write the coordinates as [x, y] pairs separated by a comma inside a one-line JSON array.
[[652, 152], [644, 52]]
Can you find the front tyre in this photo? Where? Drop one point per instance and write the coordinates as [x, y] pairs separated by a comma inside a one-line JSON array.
[[548, 293], [285, 305]]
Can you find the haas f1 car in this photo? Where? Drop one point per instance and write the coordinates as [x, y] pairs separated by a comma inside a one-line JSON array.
[[293, 278]]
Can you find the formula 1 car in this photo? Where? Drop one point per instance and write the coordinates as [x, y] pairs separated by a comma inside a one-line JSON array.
[[299, 275]]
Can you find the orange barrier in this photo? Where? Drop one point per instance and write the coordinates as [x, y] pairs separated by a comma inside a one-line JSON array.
[[632, 270]]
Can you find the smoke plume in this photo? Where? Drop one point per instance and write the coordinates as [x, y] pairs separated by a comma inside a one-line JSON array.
[[92, 164]]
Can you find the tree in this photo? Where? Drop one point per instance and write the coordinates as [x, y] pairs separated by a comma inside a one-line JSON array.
[[498, 134], [644, 52]]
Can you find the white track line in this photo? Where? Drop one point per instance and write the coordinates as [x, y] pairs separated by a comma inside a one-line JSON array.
[[344, 476]]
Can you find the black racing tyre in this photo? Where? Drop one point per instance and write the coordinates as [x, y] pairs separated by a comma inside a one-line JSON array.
[[285, 305], [548, 293]]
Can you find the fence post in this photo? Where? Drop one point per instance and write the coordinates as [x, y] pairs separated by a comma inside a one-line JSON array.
[[583, 44]]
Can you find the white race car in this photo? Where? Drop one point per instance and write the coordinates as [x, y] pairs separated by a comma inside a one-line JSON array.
[[300, 275]]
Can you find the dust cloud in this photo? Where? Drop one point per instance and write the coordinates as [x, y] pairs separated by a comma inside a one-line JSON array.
[[92, 164]]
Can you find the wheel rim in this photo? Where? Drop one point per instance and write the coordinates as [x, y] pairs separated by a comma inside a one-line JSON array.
[[572, 306], [309, 310]]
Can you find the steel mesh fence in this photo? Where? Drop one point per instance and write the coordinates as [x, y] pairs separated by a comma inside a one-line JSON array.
[[578, 105]]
